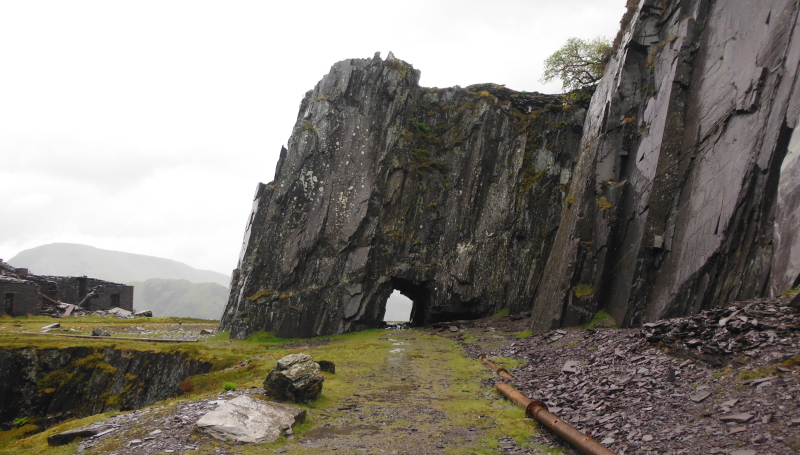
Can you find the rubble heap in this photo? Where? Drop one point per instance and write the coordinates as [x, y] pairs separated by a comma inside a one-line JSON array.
[[753, 328], [726, 380]]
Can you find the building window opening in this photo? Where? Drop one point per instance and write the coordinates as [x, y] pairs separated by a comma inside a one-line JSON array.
[[114, 300], [9, 302], [398, 308]]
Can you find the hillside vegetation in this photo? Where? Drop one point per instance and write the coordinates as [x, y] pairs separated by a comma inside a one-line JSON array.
[[180, 298]]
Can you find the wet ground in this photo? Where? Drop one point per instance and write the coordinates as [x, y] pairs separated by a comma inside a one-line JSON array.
[[422, 397]]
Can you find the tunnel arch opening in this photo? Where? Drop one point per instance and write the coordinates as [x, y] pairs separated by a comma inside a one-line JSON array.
[[409, 299], [398, 308]]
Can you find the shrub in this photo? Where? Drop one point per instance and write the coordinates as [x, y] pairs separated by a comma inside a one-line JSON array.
[[229, 386], [186, 386], [20, 422]]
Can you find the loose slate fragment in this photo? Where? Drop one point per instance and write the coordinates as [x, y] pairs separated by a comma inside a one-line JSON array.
[[698, 397], [571, 366], [740, 417]]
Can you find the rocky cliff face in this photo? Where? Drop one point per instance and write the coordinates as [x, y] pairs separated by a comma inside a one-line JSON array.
[[678, 193], [56, 384], [451, 196], [686, 191]]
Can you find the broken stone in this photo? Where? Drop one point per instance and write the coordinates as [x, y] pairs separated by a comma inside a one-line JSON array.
[[453, 328], [144, 314], [206, 332], [698, 397], [66, 437], [740, 417], [743, 452], [295, 377], [735, 430], [249, 420], [98, 332], [52, 326], [570, 366], [120, 312]]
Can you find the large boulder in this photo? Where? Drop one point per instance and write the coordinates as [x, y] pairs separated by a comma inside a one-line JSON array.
[[245, 419], [295, 378]]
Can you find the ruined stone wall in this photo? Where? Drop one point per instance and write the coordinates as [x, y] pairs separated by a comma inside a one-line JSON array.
[[686, 191], [18, 297], [450, 195], [71, 289]]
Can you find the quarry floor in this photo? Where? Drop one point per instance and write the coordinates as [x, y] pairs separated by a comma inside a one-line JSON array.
[[413, 392]]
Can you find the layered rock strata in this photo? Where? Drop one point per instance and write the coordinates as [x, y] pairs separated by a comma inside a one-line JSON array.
[[687, 189], [451, 196], [57, 384]]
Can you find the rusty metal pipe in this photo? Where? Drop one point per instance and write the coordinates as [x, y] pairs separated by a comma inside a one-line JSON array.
[[502, 372], [537, 410]]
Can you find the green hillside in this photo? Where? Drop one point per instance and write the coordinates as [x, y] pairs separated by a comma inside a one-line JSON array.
[[180, 298], [72, 259]]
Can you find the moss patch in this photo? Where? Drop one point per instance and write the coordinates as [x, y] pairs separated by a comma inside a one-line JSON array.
[[583, 290]]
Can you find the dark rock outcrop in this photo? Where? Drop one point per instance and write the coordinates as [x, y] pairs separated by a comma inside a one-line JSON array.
[[60, 439], [683, 193], [450, 196], [686, 191], [58, 384], [295, 377]]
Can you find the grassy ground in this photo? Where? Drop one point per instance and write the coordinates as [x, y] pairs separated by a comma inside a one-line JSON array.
[[405, 390]]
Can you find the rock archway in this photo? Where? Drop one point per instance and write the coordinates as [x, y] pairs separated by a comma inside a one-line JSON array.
[[450, 196]]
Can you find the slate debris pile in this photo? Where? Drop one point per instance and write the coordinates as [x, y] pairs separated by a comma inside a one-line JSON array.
[[160, 432], [761, 329], [636, 398]]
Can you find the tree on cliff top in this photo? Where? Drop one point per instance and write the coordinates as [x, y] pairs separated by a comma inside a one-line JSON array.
[[579, 63]]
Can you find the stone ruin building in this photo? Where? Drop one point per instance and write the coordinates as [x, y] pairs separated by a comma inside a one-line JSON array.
[[23, 293]]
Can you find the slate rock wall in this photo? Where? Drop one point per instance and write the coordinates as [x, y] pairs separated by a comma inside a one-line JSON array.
[[58, 384], [451, 196], [686, 191]]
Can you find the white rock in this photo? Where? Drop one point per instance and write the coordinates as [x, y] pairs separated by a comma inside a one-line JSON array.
[[246, 419]]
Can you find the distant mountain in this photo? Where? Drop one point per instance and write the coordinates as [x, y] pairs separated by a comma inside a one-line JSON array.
[[72, 259], [180, 298]]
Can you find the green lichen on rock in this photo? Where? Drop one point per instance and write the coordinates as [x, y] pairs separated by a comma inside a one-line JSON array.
[[583, 290]]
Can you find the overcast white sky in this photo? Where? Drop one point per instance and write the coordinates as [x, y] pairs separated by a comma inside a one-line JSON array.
[[144, 126]]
